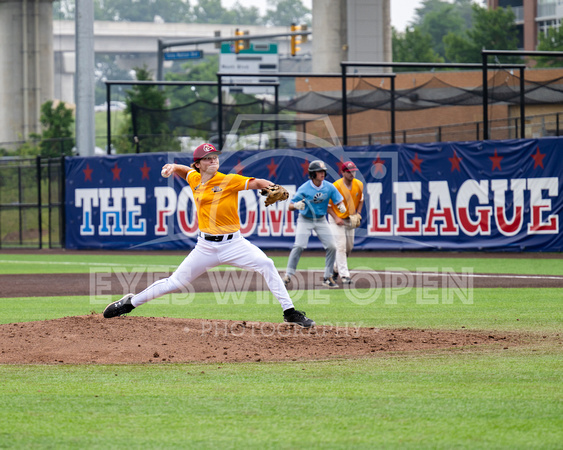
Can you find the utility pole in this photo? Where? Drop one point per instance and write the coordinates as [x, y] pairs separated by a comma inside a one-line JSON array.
[[84, 87]]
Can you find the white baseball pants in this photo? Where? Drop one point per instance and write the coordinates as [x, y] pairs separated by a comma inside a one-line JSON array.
[[303, 230], [237, 252], [344, 237]]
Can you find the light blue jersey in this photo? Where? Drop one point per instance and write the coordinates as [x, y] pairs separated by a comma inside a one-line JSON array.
[[316, 198]]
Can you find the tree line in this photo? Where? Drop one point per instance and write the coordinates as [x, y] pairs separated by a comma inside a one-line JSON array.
[[457, 32], [278, 12], [454, 32]]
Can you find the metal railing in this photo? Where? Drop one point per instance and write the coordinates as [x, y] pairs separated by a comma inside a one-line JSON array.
[[546, 10], [536, 126], [32, 202], [518, 13]]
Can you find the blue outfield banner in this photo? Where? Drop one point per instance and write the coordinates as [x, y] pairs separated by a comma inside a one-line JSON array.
[[493, 195]]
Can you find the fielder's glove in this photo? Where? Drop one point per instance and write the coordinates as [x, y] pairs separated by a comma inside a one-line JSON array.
[[355, 220], [274, 193]]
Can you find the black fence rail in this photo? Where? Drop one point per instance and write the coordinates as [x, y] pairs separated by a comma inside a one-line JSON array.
[[31, 202], [535, 126]]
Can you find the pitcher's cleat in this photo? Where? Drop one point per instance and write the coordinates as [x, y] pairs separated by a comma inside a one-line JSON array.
[[297, 317], [119, 307]]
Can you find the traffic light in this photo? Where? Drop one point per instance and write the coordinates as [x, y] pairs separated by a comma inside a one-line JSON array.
[[295, 40], [246, 42], [304, 36], [239, 43]]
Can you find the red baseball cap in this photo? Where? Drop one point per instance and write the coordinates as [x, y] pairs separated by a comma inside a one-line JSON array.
[[349, 166], [203, 150]]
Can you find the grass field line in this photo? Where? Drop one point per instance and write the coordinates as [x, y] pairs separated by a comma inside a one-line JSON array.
[[467, 275], [75, 263], [95, 264]]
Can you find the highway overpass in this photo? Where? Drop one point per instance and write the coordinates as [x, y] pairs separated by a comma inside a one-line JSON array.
[[136, 44]]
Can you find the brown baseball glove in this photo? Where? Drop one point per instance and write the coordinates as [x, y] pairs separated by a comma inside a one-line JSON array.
[[274, 193], [355, 220]]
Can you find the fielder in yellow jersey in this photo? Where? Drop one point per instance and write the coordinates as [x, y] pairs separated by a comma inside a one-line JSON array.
[[353, 196], [219, 240], [344, 233]]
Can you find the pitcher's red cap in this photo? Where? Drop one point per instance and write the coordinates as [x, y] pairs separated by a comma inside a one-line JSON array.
[[203, 150], [349, 166]]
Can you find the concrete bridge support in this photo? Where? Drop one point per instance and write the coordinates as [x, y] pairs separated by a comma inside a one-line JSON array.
[[26, 65], [351, 30]]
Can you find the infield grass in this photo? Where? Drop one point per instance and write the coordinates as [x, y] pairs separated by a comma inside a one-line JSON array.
[[534, 310], [489, 398]]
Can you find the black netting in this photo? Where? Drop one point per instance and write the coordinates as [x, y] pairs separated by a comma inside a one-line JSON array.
[[200, 117], [503, 87]]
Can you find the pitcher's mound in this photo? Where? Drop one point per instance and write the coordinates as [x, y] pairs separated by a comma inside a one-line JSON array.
[[94, 340]]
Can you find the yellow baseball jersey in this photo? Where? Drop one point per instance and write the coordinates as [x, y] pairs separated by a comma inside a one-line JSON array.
[[352, 197], [217, 201]]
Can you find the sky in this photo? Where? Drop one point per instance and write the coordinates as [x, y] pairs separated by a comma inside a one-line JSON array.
[[402, 11]]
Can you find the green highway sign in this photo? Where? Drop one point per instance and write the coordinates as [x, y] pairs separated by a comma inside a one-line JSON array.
[[255, 48]]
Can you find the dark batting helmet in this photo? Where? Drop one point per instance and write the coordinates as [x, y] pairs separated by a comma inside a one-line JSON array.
[[316, 166]]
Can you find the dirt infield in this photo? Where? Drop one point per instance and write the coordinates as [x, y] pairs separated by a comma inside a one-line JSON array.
[[66, 284], [91, 339]]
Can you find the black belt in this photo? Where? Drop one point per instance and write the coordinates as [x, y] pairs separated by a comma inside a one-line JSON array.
[[210, 237]]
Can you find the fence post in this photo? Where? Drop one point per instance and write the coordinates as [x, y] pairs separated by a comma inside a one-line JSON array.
[[49, 209], [344, 106], [108, 117], [522, 105], [485, 98], [220, 111], [276, 111], [38, 179], [20, 217], [392, 110], [62, 224]]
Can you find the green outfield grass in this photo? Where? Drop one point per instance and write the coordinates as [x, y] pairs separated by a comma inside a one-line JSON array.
[[77, 263], [489, 398]]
